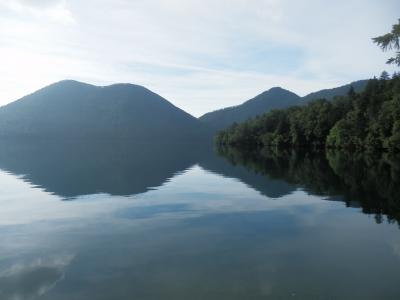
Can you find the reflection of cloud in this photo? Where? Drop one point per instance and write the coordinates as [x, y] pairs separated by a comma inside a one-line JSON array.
[[30, 281], [194, 192], [396, 247]]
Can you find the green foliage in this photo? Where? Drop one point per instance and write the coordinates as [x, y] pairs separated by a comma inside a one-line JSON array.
[[275, 98], [385, 75], [369, 120], [390, 41]]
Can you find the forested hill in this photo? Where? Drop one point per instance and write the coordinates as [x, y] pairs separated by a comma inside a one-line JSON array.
[[71, 109], [329, 94], [272, 99], [366, 120], [275, 98]]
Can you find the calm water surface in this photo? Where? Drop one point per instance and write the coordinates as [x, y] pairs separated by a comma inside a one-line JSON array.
[[126, 221]]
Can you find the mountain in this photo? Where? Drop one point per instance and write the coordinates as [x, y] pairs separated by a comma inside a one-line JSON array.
[[72, 109], [338, 91], [275, 98]]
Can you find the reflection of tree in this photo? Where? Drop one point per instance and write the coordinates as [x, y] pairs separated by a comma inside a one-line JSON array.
[[369, 181], [373, 179]]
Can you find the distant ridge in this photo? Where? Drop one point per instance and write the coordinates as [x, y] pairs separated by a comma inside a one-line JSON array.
[[338, 91], [275, 98], [72, 109]]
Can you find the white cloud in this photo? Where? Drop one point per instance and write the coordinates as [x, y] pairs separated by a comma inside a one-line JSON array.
[[54, 10], [201, 55]]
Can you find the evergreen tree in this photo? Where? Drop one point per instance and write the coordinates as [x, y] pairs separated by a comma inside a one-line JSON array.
[[385, 76], [390, 41], [351, 93], [366, 121]]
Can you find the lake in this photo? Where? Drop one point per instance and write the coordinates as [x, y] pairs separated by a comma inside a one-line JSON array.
[[115, 220]]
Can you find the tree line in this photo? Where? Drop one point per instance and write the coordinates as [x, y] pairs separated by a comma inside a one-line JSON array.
[[369, 120]]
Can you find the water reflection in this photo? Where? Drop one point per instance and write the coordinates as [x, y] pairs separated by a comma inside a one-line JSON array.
[[74, 168], [179, 222], [28, 281], [371, 182]]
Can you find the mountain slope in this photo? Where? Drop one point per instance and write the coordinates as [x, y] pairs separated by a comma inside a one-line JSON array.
[[338, 91], [274, 98], [71, 109]]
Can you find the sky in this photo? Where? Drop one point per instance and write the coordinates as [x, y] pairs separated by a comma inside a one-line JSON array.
[[200, 55]]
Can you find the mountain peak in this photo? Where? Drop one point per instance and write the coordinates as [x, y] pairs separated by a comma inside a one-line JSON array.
[[124, 85], [276, 88], [274, 98], [71, 83], [279, 90], [68, 83], [70, 109]]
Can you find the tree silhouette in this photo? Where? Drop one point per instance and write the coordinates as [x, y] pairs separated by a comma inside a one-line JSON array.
[[390, 41]]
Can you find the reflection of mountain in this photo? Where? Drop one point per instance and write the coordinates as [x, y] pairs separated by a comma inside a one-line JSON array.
[[372, 183], [270, 187], [71, 169]]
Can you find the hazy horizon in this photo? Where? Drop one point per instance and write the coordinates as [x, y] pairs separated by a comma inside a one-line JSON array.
[[199, 55]]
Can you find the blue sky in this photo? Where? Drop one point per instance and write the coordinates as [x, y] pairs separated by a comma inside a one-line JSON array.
[[200, 55]]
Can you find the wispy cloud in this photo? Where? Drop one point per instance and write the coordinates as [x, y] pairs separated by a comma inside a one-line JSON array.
[[201, 55], [54, 10], [29, 281]]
